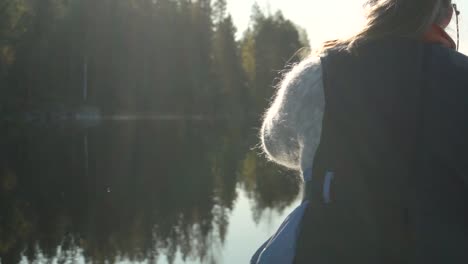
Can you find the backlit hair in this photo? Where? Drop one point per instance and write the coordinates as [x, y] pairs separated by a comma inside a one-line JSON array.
[[396, 18]]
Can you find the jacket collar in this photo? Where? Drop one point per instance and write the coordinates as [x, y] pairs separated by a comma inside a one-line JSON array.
[[436, 34]]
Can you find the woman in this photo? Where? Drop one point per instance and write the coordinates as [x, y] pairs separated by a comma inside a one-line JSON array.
[[378, 126]]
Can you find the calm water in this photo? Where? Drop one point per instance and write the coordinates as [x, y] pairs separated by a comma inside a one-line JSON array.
[[137, 192]]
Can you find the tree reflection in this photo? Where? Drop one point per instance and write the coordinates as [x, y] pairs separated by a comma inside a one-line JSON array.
[[268, 185], [150, 190]]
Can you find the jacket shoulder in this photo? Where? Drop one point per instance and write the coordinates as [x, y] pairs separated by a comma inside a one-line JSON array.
[[446, 61]]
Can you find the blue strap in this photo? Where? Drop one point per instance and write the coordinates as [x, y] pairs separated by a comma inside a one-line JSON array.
[[327, 186]]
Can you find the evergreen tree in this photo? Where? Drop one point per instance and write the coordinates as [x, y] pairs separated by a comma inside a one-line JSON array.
[[231, 84], [268, 47], [219, 11]]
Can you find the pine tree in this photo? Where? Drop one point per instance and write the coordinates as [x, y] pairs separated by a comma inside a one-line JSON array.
[[227, 68], [219, 11], [268, 47]]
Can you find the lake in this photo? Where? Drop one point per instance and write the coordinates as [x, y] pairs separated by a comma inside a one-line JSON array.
[[138, 191]]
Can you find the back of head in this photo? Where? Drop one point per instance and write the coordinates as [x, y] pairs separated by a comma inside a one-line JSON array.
[[398, 19]]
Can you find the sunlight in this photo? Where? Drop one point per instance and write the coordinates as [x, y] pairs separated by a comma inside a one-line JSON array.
[[341, 17], [152, 131], [325, 20]]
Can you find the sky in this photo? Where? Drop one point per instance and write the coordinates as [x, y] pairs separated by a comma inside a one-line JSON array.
[[328, 19]]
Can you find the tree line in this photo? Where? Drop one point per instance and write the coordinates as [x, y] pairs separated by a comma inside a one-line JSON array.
[[142, 56]]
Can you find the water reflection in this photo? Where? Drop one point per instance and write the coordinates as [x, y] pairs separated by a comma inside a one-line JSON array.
[[140, 191]]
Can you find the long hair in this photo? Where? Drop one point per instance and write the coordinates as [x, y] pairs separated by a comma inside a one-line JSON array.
[[396, 18]]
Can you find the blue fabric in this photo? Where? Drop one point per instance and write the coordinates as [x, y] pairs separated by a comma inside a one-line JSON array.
[[259, 251], [281, 247]]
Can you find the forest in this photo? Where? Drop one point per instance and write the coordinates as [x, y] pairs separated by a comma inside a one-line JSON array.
[[141, 56], [137, 191]]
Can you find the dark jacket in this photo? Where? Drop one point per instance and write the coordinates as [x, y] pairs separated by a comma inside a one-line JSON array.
[[395, 134]]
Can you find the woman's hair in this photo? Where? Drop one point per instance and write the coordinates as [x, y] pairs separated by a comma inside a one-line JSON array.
[[396, 18]]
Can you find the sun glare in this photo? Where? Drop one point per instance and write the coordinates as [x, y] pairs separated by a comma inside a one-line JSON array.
[[324, 19]]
